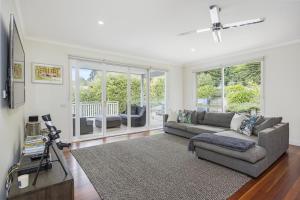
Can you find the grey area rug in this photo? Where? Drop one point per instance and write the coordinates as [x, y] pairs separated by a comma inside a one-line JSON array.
[[155, 167]]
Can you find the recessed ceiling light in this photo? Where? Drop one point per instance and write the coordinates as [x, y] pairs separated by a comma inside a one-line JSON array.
[[193, 50], [100, 22]]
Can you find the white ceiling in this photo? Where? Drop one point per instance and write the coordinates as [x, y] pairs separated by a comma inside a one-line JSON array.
[[149, 28]]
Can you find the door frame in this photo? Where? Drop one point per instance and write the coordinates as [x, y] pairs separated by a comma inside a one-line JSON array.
[[104, 69]]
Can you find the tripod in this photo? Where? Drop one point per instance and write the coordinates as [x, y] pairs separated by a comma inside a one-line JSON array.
[[45, 156], [52, 136]]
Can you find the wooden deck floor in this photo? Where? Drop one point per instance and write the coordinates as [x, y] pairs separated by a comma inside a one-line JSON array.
[[280, 181]]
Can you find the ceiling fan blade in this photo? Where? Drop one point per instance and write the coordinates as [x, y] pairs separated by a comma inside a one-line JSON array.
[[243, 23], [214, 11], [194, 31]]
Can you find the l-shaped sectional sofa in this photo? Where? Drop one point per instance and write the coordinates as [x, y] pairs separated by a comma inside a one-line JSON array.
[[271, 139]]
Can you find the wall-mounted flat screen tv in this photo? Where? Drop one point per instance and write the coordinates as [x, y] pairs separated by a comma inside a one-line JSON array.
[[16, 67]]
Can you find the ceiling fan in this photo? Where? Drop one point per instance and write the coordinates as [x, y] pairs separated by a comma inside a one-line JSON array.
[[217, 26]]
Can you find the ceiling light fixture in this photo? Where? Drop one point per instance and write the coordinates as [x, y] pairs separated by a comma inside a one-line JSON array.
[[100, 22], [193, 50]]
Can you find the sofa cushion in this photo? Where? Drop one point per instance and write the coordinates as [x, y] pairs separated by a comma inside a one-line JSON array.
[[218, 119], [267, 123], [234, 134], [173, 124], [197, 129], [200, 117], [252, 155], [236, 121]]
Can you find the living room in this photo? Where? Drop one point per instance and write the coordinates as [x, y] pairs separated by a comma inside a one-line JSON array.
[[130, 78]]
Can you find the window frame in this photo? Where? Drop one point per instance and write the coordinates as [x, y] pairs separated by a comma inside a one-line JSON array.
[[222, 67]]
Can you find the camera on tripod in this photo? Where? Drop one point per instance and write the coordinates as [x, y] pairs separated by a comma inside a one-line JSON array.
[[53, 133]]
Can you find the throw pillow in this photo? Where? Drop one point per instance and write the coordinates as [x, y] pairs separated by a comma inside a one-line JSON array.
[[247, 125], [180, 116], [193, 115], [184, 117], [236, 121]]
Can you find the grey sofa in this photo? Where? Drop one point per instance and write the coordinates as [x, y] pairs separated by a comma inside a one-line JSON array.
[[111, 121], [86, 126], [271, 138], [138, 116]]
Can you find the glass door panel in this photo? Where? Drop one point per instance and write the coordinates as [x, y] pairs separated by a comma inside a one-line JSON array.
[[157, 98], [116, 103], [73, 101], [90, 105], [138, 100], [86, 99]]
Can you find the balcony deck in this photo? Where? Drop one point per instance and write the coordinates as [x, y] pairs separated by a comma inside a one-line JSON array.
[[89, 111]]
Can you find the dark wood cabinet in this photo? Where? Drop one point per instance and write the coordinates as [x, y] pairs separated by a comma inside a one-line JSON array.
[[51, 184]]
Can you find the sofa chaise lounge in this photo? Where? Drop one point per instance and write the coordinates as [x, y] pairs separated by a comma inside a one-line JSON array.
[[271, 139]]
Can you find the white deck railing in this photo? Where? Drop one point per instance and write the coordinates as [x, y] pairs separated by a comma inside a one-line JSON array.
[[92, 109]]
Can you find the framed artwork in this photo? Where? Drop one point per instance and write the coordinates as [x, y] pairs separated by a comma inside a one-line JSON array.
[[47, 73], [18, 72]]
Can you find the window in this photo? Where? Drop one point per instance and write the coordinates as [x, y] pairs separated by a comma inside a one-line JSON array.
[[209, 90], [238, 89]]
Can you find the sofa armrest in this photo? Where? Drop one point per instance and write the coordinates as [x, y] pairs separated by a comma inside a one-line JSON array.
[[165, 119], [275, 140]]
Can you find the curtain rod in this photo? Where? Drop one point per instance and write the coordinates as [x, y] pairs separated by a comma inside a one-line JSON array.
[[110, 62]]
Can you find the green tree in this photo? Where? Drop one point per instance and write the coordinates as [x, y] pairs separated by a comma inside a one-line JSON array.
[[243, 74], [207, 91], [208, 83], [91, 90], [116, 89], [242, 98], [157, 90]]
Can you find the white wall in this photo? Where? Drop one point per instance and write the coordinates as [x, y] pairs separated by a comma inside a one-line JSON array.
[[54, 99], [11, 121], [281, 82]]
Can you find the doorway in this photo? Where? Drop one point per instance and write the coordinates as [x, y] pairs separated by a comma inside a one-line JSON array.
[[110, 100]]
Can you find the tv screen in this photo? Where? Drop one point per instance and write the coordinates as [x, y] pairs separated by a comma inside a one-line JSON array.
[[16, 68]]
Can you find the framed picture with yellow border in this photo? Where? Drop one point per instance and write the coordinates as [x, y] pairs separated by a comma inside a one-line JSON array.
[[47, 73]]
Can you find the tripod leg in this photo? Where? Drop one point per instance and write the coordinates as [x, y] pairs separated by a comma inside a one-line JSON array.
[[45, 153], [66, 173]]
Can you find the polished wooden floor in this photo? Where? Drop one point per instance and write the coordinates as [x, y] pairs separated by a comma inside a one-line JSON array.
[[280, 181]]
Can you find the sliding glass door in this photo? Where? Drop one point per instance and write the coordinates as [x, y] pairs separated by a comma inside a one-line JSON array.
[[109, 100], [87, 101], [116, 102], [157, 97], [138, 99]]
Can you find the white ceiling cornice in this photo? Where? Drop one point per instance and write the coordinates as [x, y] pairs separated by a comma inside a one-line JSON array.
[[154, 62]]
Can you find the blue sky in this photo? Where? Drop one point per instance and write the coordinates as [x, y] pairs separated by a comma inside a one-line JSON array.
[[83, 73]]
